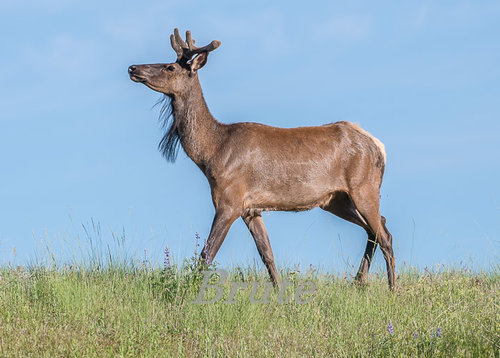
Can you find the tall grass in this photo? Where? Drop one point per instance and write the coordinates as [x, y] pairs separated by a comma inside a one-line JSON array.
[[135, 309]]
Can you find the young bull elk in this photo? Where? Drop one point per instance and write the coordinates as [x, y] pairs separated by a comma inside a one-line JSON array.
[[252, 167]]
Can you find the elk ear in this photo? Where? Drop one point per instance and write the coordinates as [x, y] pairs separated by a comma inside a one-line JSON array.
[[198, 62]]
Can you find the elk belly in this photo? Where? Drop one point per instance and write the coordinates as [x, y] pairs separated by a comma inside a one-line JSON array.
[[298, 196]]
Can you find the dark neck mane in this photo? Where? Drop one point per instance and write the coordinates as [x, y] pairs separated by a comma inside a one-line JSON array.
[[169, 143]]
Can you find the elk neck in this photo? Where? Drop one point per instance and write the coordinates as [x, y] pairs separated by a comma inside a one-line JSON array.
[[199, 132]]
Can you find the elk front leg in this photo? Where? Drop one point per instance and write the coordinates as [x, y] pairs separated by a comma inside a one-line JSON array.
[[256, 226], [222, 222]]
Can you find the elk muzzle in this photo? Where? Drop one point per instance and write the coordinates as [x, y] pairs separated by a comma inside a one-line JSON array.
[[136, 74]]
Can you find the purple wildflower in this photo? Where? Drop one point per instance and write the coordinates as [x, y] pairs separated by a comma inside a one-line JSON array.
[[415, 335], [166, 261], [197, 236], [438, 332], [390, 327]]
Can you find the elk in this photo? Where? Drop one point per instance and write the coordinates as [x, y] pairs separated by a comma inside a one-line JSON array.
[[253, 167]]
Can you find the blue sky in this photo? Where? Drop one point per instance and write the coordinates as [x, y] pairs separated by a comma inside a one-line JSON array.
[[78, 139]]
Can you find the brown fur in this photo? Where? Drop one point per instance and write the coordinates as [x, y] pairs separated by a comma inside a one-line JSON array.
[[252, 167]]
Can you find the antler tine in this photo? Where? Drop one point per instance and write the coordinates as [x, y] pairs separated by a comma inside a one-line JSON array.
[[210, 47], [189, 40], [179, 39], [176, 47]]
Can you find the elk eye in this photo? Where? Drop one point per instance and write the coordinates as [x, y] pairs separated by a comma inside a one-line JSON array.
[[170, 68]]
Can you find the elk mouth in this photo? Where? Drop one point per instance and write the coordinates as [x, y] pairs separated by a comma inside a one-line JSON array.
[[137, 78]]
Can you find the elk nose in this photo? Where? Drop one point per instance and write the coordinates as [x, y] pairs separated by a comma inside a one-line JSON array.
[[132, 69]]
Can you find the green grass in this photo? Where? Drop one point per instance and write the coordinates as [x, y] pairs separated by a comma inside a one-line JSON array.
[[142, 311]]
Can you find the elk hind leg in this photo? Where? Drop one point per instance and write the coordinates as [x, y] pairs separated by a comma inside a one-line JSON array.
[[342, 206], [367, 203]]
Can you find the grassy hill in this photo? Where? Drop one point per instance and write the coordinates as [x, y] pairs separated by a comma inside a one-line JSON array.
[[121, 310]]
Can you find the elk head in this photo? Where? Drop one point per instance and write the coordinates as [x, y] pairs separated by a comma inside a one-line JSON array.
[[175, 78]]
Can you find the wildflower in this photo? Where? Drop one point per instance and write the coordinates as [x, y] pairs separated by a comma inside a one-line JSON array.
[[415, 335], [438, 332], [390, 327], [166, 261], [197, 236]]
